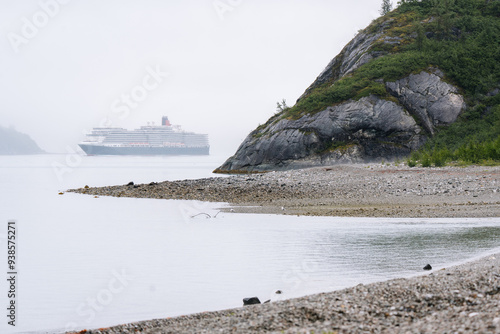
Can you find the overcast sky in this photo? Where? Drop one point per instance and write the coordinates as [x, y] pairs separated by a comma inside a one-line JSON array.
[[212, 66]]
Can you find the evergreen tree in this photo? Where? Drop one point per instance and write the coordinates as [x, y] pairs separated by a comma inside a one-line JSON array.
[[386, 7], [420, 36]]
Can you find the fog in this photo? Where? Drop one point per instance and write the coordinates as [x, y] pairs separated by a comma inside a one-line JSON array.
[[212, 66]]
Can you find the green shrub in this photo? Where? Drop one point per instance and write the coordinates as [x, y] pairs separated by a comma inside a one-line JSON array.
[[439, 157], [411, 163], [426, 160]]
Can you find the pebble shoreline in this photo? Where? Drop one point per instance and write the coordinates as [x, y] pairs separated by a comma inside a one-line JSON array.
[[369, 190], [461, 299]]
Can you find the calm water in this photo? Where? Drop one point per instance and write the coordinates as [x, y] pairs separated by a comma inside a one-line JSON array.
[[89, 262]]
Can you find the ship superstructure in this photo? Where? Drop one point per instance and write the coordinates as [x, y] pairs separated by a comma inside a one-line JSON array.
[[165, 139]]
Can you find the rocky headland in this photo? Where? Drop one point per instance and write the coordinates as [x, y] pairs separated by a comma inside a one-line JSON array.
[[369, 129], [13, 142], [397, 85]]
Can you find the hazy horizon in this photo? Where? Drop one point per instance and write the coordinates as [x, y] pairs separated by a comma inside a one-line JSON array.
[[212, 66]]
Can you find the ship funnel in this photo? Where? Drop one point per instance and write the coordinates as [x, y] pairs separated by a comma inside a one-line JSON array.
[[165, 121]]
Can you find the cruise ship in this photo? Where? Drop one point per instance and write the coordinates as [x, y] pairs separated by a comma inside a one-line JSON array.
[[165, 139]]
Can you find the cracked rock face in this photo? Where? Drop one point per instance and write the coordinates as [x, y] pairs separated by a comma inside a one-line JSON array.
[[355, 131], [432, 100], [367, 130], [354, 55], [370, 128]]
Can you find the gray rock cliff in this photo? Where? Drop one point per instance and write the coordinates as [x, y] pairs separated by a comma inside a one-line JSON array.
[[369, 129], [354, 55], [354, 131], [433, 101]]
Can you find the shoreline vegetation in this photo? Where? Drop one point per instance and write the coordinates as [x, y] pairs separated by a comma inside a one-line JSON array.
[[459, 299], [356, 190]]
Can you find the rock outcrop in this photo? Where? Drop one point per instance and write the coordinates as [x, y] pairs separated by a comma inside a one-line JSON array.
[[354, 55], [433, 101], [367, 129], [354, 131]]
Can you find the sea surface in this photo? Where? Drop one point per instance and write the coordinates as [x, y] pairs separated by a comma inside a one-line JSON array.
[[86, 262]]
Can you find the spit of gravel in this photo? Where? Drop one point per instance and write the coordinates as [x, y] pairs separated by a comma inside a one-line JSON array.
[[342, 190], [461, 299]]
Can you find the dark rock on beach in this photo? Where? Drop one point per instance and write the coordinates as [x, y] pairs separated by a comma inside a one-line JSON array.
[[462, 299], [251, 301]]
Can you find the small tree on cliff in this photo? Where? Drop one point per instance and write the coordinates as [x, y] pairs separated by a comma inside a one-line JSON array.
[[280, 107], [386, 7]]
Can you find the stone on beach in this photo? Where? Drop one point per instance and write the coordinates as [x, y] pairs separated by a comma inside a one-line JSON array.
[[251, 301], [461, 299]]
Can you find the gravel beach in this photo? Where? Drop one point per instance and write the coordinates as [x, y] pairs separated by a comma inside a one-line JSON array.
[[367, 190], [461, 299]]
